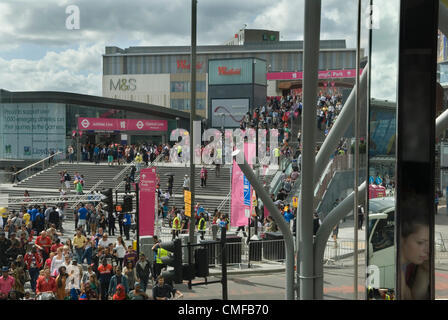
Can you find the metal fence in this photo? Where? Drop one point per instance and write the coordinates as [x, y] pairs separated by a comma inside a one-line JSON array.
[[239, 252]]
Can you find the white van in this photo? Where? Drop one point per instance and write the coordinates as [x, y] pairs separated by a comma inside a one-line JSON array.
[[381, 245]]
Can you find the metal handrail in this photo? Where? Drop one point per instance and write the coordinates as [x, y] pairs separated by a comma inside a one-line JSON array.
[[127, 166], [223, 202], [35, 164]]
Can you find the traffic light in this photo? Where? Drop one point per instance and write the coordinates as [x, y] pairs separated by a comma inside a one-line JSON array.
[[127, 203], [108, 200], [174, 260]]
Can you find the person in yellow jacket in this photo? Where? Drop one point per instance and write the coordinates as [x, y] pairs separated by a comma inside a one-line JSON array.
[[138, 160], [159, 265], [202, 225], [176, 226]]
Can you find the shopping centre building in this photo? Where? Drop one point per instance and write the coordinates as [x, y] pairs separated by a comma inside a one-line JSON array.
[[161, 75]]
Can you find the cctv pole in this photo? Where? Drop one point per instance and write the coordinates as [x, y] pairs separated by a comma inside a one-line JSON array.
[[192, 113]]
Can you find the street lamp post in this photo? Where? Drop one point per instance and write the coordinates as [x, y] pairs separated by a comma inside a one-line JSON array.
[[78, 147]]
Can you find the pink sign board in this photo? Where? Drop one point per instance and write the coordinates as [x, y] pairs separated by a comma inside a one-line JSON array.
[[122, 124], [147, 202], [328, 74]]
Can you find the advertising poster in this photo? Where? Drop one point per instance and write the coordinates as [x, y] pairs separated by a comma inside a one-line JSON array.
[[228, 112]]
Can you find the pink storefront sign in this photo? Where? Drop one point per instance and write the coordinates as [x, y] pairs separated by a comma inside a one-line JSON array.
[[122, 124], [147, 202], [328, 74]]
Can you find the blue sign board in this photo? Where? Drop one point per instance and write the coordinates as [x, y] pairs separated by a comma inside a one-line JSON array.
[[246, 192]]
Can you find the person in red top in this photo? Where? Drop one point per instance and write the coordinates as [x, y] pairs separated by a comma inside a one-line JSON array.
[[56, 245], [43, 242], [6, 283], [105, 274], [33, 262], [46, 284]]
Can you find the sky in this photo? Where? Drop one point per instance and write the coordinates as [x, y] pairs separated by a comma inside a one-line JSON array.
[[39, 52]]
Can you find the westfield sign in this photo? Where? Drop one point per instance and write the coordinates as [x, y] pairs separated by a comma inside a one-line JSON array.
[[223, 71], [182, 64]]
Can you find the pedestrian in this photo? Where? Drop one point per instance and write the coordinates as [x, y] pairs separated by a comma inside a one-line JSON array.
[[138, 293], [163, 291], [120, 293], [71, 153], [186, 184], [202, 225], [44, 243], [316, 223], [33, 262], [67, 179], [130, 256], [79, 244], [82, 216], [61, 283], [76, 215], [143, 271], [127, 224], [360, 216], [129, 272], [176, 226], [105, 241], [117, 279], [334, 235], [6, 283], [46, 283], [120, 246], [203, 176], [105, 274], [93, 221], [111, 223], [88, 252], [242, 228], [57, 262]]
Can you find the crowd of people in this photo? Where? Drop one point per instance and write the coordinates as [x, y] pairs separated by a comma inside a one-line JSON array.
[[118, 154], [33, 250], [89, 266]]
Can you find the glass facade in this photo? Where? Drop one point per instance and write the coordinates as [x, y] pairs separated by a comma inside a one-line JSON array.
[[184, 104], [184, 86], [31, 131]]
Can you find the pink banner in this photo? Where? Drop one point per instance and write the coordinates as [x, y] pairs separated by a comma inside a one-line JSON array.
[[237, 208], [109, 124], [147, 201], [328, 74]]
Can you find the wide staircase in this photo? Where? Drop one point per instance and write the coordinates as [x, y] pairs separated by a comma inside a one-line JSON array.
[[47, 182]]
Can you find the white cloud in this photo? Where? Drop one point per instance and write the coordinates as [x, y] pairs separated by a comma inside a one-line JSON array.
[[71, 59], [70, 70]]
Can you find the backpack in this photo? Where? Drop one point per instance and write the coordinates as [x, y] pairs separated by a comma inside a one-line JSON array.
[[68, 178]]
